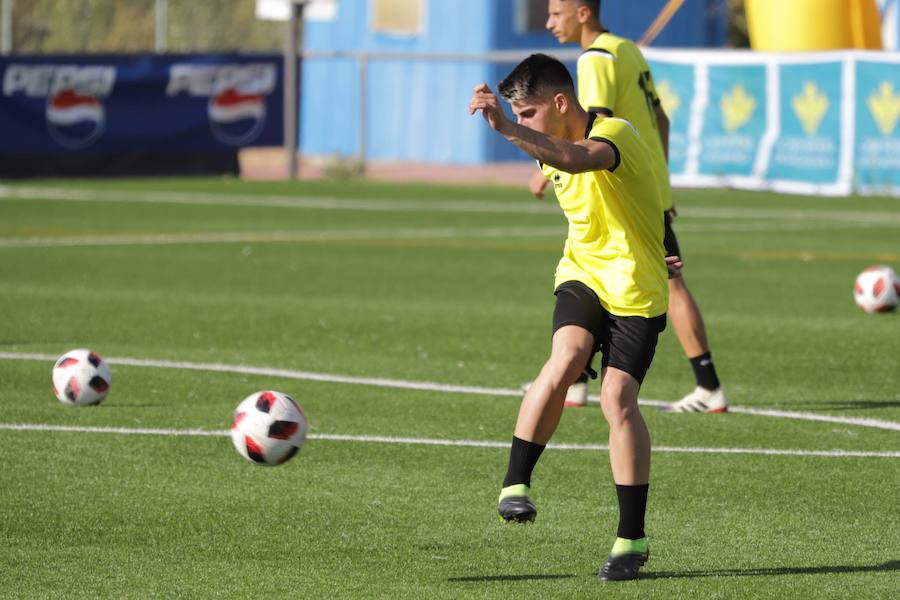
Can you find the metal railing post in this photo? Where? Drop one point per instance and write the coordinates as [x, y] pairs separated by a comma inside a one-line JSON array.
[[363, 66], [162, 26], [6, 27], [291, 83]]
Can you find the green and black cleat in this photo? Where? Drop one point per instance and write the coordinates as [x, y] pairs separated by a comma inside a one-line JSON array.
[[626, 559], [515, 505], [622, 567]]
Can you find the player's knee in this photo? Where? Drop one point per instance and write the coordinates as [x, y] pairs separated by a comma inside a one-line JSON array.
[[569, 360], [618, 410], [619, 403]]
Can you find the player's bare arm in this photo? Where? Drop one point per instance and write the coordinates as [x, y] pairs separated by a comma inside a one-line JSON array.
[[662, 124], [538, 184], [572, 157]]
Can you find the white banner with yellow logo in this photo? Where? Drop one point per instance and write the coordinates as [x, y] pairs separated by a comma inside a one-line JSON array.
[[816, 123]]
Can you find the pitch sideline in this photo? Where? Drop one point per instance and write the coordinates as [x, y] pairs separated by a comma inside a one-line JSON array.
[[383, 439], [431, 386]]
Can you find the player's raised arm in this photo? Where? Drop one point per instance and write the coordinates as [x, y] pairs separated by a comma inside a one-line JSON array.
[[548, 124], [484, 99]]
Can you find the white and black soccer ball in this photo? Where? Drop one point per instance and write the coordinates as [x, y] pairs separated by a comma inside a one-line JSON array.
[[877, 290], [269, 428], [81, 378]]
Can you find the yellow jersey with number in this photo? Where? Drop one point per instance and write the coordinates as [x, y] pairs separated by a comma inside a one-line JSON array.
[[615, 80], [615, 240]]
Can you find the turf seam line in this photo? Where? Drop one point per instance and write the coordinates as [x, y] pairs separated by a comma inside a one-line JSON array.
[[335, 203], [281, 236]]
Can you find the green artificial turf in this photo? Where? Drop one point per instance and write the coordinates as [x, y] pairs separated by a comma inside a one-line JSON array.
[[441, 285]]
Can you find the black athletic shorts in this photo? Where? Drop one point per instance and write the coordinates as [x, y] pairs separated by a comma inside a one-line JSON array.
[[669, 240], [626, 343]]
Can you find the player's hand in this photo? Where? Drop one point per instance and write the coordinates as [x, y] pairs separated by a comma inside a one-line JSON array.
[[674, 265], [538, 184], [485, 100], [673, 213]]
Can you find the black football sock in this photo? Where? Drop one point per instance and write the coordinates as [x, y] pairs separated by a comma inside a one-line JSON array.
[[632, 507], [522, 458], [705, 371]]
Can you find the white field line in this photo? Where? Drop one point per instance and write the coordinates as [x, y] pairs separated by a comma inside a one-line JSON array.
[[383, 439], [360, 204], [283, 236], [431, 386]]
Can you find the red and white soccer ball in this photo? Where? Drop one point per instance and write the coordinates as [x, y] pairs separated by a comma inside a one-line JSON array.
[[81, 378], [269, 428], [877, 290]]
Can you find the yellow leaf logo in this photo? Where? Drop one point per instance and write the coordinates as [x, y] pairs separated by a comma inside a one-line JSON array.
[[737, 108], [668, 98], [885, 108], [810, 106]]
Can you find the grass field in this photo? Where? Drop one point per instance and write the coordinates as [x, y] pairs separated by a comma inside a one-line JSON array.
[[793, 495]]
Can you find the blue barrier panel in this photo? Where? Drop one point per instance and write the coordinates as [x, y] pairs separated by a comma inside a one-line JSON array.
[[735, 120], [103, 105], [675, 86], [808, 148], [877, 148], [824, 123]]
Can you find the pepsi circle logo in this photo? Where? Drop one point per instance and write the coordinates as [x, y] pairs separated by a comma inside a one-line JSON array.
[[75, 121], [236, 119]]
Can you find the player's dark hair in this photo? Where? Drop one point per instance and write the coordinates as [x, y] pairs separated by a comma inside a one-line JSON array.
[[536, 76], [594, 5]]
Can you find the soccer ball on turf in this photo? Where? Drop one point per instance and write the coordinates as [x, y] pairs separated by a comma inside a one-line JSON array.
[[268, 428], [81, 378], [877, 290]]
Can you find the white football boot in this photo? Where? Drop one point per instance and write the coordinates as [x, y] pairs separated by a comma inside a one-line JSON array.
[[576, 395], [701, 400]]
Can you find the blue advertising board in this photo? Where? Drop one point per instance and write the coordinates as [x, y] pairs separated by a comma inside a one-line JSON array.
[[735, 120], [877, 146], [675, 87], [808, 147], [823, 123], [68, 105]]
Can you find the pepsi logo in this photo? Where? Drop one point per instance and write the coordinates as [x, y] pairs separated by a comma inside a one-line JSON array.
[[236, 105], [75, 120], [236, 118]]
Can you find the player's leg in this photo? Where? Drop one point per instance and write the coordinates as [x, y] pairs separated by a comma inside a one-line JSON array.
[[542, 405], [627, 356], [539, 415], [687, 320], [576, 395], [575, 317], [629, 440]]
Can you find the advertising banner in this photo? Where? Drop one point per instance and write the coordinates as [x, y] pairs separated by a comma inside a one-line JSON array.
[[809, 145], [675, 87], [69, 106], [825, 123], [877, 147], [734, 122]]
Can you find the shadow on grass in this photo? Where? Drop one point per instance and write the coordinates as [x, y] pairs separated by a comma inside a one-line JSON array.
[[485, 578], [893, 565], [126, 406], [858, 404]]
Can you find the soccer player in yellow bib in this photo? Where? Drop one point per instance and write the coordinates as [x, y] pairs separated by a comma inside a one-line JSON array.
[[614, 80], [611, 291]]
